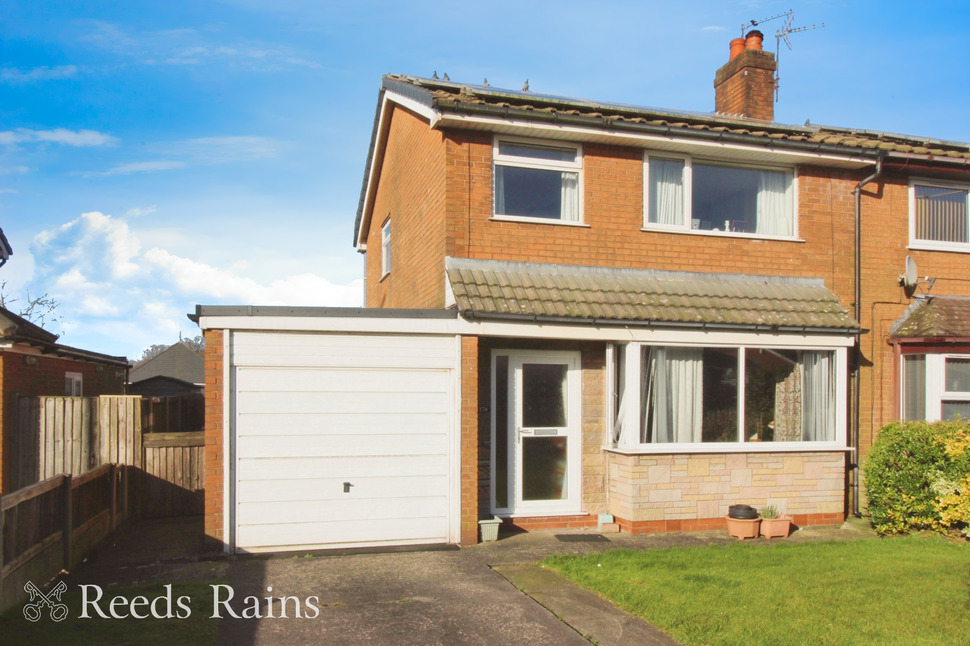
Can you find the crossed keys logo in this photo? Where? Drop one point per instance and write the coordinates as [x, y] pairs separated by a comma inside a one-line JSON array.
[[58, 610]]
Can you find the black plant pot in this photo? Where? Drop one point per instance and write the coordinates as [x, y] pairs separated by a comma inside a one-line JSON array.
[[742, 512]]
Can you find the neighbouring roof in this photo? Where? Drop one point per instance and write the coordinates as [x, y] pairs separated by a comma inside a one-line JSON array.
[[5, 249], [605, 296], [15, 329], [178, 361], [934, 317]]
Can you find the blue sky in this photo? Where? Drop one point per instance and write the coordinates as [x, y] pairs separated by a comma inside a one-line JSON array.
[[156, 155]]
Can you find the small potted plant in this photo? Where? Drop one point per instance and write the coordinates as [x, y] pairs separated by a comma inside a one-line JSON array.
[[774, 524]]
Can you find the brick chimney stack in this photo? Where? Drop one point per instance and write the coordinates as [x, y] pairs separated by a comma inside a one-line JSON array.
[[745, 85]]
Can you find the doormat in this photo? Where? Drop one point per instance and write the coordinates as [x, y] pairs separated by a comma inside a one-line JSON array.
[[582, 538]]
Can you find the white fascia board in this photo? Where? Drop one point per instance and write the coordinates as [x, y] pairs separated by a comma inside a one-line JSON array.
[[428, 113], [646, 141], [578, 332]]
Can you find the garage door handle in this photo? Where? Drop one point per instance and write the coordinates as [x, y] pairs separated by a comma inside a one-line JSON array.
[[347, 487]]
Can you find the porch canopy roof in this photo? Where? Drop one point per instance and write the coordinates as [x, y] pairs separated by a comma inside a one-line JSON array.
[[487, 289], [935, 317]]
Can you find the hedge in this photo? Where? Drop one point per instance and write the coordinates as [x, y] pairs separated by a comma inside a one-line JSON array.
[[917, 477]]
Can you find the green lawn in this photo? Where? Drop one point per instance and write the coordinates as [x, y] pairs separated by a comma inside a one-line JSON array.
[[913, 590], [196, 629]]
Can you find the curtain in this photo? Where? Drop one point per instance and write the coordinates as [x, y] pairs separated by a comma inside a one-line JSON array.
[[818, 401], [570, 197], [666, 191], [499, 190], [672, 395], [773, 213]]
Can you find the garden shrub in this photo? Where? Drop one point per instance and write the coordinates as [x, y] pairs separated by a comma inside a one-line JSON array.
[[917, 476]]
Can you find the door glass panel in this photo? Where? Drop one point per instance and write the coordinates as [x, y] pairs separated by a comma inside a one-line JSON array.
[[501, 432], [544, 461], [544, 395]]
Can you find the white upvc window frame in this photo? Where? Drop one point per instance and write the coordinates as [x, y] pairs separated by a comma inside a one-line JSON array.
[[935, 245], [73, 384], [627, 438], [386, 248], [687, 185], [935, 392], [516, 161]]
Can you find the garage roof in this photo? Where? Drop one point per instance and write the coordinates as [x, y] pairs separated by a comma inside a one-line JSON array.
[[565, 293]]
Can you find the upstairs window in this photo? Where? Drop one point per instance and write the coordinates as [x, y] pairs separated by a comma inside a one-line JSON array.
[[537, 180], [386, 249], [938, 215], [684, 194]]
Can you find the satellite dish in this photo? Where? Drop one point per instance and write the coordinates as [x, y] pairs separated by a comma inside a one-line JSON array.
[[908, 278]]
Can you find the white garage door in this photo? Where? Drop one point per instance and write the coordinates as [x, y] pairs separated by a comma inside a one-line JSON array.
[[342, 440]]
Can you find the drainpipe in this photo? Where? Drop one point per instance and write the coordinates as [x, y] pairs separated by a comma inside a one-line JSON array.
[[857, 312]]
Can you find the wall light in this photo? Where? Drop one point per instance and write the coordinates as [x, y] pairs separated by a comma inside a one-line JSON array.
[[30, 361]]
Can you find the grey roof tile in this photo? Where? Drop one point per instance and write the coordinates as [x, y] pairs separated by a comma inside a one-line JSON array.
[[936, 316], [643, 296]]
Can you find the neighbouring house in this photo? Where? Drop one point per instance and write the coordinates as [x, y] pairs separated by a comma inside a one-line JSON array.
[[5, 249], [176, 370], [578, 309], [32, 364]]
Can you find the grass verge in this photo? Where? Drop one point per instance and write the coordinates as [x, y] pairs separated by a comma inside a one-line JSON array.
[[196, 629], [913, 590]]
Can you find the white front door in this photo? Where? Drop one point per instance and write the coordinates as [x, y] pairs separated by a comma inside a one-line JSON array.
[[537, 432]]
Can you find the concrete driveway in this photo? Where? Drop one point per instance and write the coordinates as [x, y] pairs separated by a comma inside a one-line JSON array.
[[438, 597]]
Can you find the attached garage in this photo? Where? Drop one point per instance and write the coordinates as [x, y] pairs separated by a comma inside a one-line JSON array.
[[341, 439]]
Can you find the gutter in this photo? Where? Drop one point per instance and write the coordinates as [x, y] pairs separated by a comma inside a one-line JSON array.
[[599, 322], [857, 312]]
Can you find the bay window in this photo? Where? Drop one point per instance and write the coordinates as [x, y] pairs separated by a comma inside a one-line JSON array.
[[682, 193], [537, 180], [715, 395]]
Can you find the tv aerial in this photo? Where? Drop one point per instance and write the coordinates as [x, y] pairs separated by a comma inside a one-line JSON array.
[[781, 34]]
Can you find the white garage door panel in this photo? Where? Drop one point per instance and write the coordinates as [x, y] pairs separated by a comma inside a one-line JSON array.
[[342, 445], [390, 487], [313, 411], [310, 468], [380, 531], [383, 423]]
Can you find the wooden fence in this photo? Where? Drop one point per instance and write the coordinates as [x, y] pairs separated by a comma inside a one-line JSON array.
[[50, 525], [59, 435], [75, 434]]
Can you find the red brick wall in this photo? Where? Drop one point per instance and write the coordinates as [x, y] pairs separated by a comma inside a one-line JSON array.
[[745, 86], [45, 377], [469, 440], [411, 192], [215, 468]]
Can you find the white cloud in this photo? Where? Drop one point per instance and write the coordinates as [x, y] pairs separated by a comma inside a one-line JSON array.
[[216, 150], [713, 28], [139, 211], [139, 167], [43, 73], [79, 138], [12, 170], [120, 299]]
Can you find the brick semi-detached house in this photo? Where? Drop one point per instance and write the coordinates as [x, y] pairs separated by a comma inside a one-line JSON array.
[[578, 310]]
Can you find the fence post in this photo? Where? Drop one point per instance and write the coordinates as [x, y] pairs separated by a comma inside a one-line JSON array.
[[68, 520]]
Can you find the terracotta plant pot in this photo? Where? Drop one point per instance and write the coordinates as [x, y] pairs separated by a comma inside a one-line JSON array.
[[743, 528], [776, 527]]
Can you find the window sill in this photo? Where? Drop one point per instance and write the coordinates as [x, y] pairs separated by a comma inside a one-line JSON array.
[[748, 447], [929, 246], [383, 276], [719, 234], [525, 220]]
